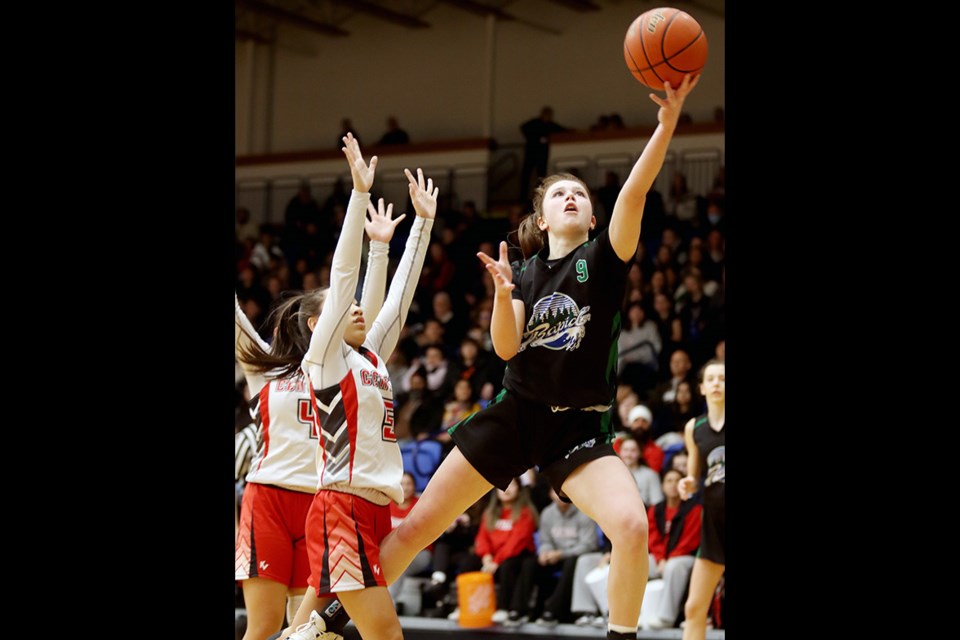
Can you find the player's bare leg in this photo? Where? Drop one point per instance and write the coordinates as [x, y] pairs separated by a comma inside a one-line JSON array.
[[703, 582]]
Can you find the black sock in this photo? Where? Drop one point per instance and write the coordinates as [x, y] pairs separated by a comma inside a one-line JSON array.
[[335, 616], [616, 635]]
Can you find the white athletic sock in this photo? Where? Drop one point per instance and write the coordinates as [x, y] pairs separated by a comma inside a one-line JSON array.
[[293, 603]]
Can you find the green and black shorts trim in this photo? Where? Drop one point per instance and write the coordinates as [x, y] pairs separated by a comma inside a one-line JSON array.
[[514, 434]]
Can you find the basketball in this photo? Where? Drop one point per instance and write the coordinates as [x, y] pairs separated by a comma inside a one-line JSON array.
[[664, 44]]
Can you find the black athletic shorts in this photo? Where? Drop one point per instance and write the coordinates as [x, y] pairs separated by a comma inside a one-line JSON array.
[[712, 529], [512, 435]]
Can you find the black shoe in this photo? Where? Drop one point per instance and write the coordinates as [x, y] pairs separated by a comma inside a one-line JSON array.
[[434, 612], [436, 592], [514, 619], [547, 619]]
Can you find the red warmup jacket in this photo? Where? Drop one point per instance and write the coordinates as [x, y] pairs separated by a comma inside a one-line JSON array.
[[653, 455], [507, 539], [688, 540]]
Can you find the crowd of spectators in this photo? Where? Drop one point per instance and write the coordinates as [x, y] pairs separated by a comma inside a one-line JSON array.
[[444, 369]]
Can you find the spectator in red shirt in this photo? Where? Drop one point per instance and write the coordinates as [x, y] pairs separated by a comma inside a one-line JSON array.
[[504, 539], [673, 542]]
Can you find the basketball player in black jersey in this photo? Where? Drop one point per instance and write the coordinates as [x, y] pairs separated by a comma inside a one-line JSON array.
[[705, 437], [555, 322]]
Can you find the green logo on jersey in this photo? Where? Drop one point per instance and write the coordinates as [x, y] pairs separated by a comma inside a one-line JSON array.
[[582, 274]]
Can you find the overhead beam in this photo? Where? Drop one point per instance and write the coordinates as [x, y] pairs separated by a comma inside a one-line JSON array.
[[292, 18], [245, 34], [579, 5], [480, 9], [377, 11]]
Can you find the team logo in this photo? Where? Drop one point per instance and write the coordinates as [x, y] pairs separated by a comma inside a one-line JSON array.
[[716, 469], [583, 445], [556, 323]]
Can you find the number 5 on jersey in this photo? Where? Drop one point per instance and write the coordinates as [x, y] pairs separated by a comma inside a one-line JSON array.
[[389, 433]]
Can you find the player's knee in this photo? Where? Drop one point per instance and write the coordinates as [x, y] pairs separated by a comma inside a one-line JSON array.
[[412, 537], [632, 530], [695, 607]]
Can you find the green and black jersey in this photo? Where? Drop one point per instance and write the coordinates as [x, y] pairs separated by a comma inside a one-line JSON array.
[[568, 352]]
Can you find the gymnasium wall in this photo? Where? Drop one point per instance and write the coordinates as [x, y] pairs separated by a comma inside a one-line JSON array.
[[466, 76]]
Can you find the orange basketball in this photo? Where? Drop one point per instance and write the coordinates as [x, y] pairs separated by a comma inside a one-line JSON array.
[[664, 45]]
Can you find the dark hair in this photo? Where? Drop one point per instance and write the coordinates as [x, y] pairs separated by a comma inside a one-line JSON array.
[[291, 336], [671, 470], [531, 238], [494, 507], [703, 369]]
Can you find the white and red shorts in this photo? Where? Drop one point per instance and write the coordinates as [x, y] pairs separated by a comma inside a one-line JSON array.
[[344, 538], [271, 542]]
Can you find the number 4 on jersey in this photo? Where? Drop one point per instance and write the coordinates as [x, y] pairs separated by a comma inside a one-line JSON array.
[[305, 415]]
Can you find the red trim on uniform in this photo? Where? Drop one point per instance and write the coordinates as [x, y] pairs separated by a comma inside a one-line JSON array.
[[371, 356], [316, 420], [348, 389], [265, 418]]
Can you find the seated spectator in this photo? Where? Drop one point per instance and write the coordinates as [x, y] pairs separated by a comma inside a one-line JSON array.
[[639, 426], [674, 537], [647, 478], [504, 539], [680, 369], [452, 550], [589, 606], [462, 406], [433, 365], [565, 533], [418, 411], [472, 364], [639, 350], [672, 418]]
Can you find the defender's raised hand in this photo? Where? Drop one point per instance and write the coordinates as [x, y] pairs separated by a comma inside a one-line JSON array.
[[362, 174], [379, 225], [424, 198]]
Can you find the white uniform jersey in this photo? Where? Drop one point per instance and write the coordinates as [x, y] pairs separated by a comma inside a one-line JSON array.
[[287, 439], [352, 391]]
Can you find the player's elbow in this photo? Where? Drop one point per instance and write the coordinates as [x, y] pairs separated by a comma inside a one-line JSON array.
[[505, 353]]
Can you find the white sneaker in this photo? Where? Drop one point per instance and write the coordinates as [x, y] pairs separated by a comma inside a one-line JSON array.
[[655, 623], [600, 622], [455, 615], [315, 629], [499, 616], [585, 620]]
